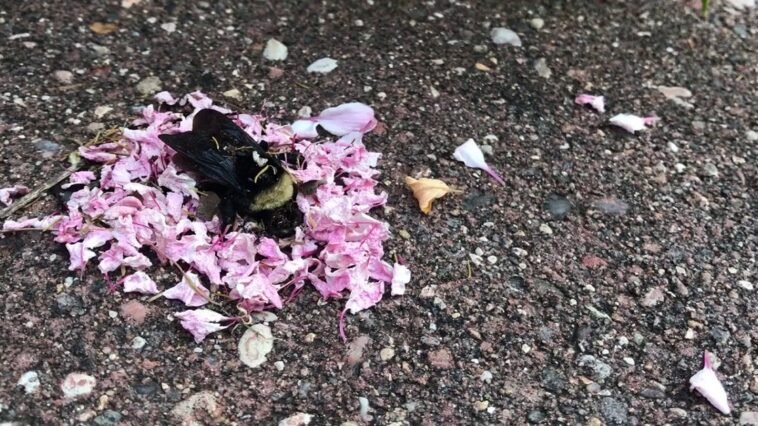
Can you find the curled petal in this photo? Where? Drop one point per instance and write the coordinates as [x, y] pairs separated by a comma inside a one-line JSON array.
[[596, 102], [470, 154], [7, 194], [202, 322], [632, 123], [427, 190]]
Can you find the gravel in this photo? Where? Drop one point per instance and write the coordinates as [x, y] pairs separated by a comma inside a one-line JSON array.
[[623, 220]]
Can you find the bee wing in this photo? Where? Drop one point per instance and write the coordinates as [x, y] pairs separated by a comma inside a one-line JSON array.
[[207, 160], [218, 124]]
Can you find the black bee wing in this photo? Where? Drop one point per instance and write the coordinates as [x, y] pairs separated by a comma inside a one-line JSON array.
[[207, 159], [217, 124]]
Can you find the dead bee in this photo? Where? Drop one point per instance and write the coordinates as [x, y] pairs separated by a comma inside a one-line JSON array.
[[246, 178]]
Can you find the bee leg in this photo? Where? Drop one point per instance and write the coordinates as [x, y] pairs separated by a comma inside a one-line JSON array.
[[227, 211]]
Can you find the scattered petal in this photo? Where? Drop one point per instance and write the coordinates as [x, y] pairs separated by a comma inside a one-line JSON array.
[[103, 27], [671, 92], [596, 102], [189, 290], [470, 154], [339, 121], [255, 344], [7, 194], [401, 276], [427, 190], [708, 385], [323, 66], [140, 282], [202, 322], [632, 123]]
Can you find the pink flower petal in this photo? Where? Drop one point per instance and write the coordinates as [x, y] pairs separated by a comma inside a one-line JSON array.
[[596, 102], [346, 118], [202, 322], [470, 154], [707, 384], [7, 194], [140, 282], [401, 276], [632, 123], [189, 290]]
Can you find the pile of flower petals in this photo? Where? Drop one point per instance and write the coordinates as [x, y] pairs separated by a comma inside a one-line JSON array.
[[140, 202]]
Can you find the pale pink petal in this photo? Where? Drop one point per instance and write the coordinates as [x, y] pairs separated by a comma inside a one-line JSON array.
[[79, 178], [165, 98], [707, 384], [305, 129], [78, 256], [177, 182], [401, 276], [202, 322], [140, 282], [7, 194], [44, 224], [470, 154], [596, 102], [632, 123], [364, 296], [189, 290], [347, 118]]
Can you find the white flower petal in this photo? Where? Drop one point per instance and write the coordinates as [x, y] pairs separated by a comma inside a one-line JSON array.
[[706, 383]]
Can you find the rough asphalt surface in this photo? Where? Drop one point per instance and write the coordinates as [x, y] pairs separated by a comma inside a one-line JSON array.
[[599, 274]]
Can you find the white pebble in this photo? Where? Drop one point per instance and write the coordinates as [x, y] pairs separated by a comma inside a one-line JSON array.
[[747, 285], [505, 36], [30, 382], [486, 376], [525, 348], [279, 365], [323, 66], [275, 50], [673, 148], [537, 23], [629, 360], [546, 229], [680, 168], [138, 343]]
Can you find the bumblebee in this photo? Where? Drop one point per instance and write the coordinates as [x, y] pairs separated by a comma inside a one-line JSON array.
[[247, 179]]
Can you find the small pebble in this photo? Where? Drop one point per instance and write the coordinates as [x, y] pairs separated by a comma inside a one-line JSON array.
[[711, 170], [63, 76], [322, 66], [546, 229], [751, 135], [30, 382], [673, 148], [537, 23], [486, 376], [149, 85], [275, 50], [680, 168], [279, 365], [138, 343], [540, 65], [747, 285], [505, 36], [386, 354]]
